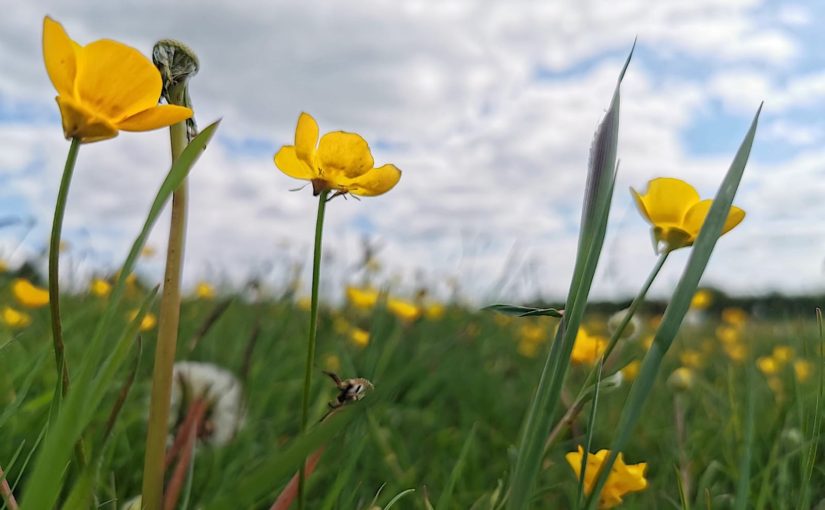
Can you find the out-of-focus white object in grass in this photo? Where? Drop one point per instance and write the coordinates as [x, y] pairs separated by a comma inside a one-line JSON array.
[[223, 392]]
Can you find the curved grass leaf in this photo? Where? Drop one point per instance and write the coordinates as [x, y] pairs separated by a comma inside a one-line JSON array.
[[94, 373], [678, 307], [524, 311]]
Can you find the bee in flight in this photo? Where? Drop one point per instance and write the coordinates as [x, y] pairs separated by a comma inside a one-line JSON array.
[[349, 390]]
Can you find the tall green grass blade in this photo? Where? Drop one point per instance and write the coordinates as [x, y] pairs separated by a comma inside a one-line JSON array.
[[809, 457], [595, 211], [678, 307], [263, 479], [524, 311], [446, 498], [744, 482], [78, 408]]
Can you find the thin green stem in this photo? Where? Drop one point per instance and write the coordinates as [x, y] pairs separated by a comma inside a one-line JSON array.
[[54, 267], [313, 331], [578, 405], [154, 465], [634, 306]]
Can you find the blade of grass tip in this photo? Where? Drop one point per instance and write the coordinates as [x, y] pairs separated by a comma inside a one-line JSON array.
[[446, 499], [51, 460], [810, 455], [595, 211], [398, 498], [678, 307], [261, 479]]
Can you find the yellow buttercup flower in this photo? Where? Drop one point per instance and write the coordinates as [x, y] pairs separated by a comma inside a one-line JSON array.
[[359, 337], [362, 298], [587, 348], [681, 379], [623, 478], [702, 299], [735, 316], [782, 354], [434, 311], [104, 87], [403, 310], [205, 291], [767, 365], [148, 323], [100, 287], [15, 318], [677, 213], [28, 295], [802, 369], [340, 161]]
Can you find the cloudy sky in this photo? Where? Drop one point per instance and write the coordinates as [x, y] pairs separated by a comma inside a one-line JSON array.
[[487, 107]]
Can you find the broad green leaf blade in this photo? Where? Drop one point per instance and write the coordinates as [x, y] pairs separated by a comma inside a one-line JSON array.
[[46, 477], [679, 305], [446, 499], [264, 478], [524, 311], [595, 211]]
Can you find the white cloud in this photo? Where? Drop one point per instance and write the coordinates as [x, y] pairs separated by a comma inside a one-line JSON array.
[[493, 157]]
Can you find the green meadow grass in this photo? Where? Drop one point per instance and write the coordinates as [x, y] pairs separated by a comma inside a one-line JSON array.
[[437, 382]]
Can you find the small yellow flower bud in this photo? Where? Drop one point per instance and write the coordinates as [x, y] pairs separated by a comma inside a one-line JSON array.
[[682, 379]]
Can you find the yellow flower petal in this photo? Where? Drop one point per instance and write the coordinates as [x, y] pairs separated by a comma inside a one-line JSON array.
[[117, 80], [81, 122], [306, 138], [667, 200], [695, 217], [155, 117], [288, 162], [375, 182], [60, 55], [28, 295], [342, 154]]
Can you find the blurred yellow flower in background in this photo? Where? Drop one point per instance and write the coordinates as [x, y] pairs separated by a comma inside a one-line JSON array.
[[148, 251], [148, 323], [735, 316], [14, 318], [782, 354], [362, 298], [631, 370], [332, 363], [340, 161], [702, 299], [681, 379], [205, 291], [676, 212], [802, 369], [404, 310], [767, 365], [104, 87], [434, 311], [28, 295], [691, 358], [359, 337], [100, 287], [623, 478], [587, 348], [735, 351]]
